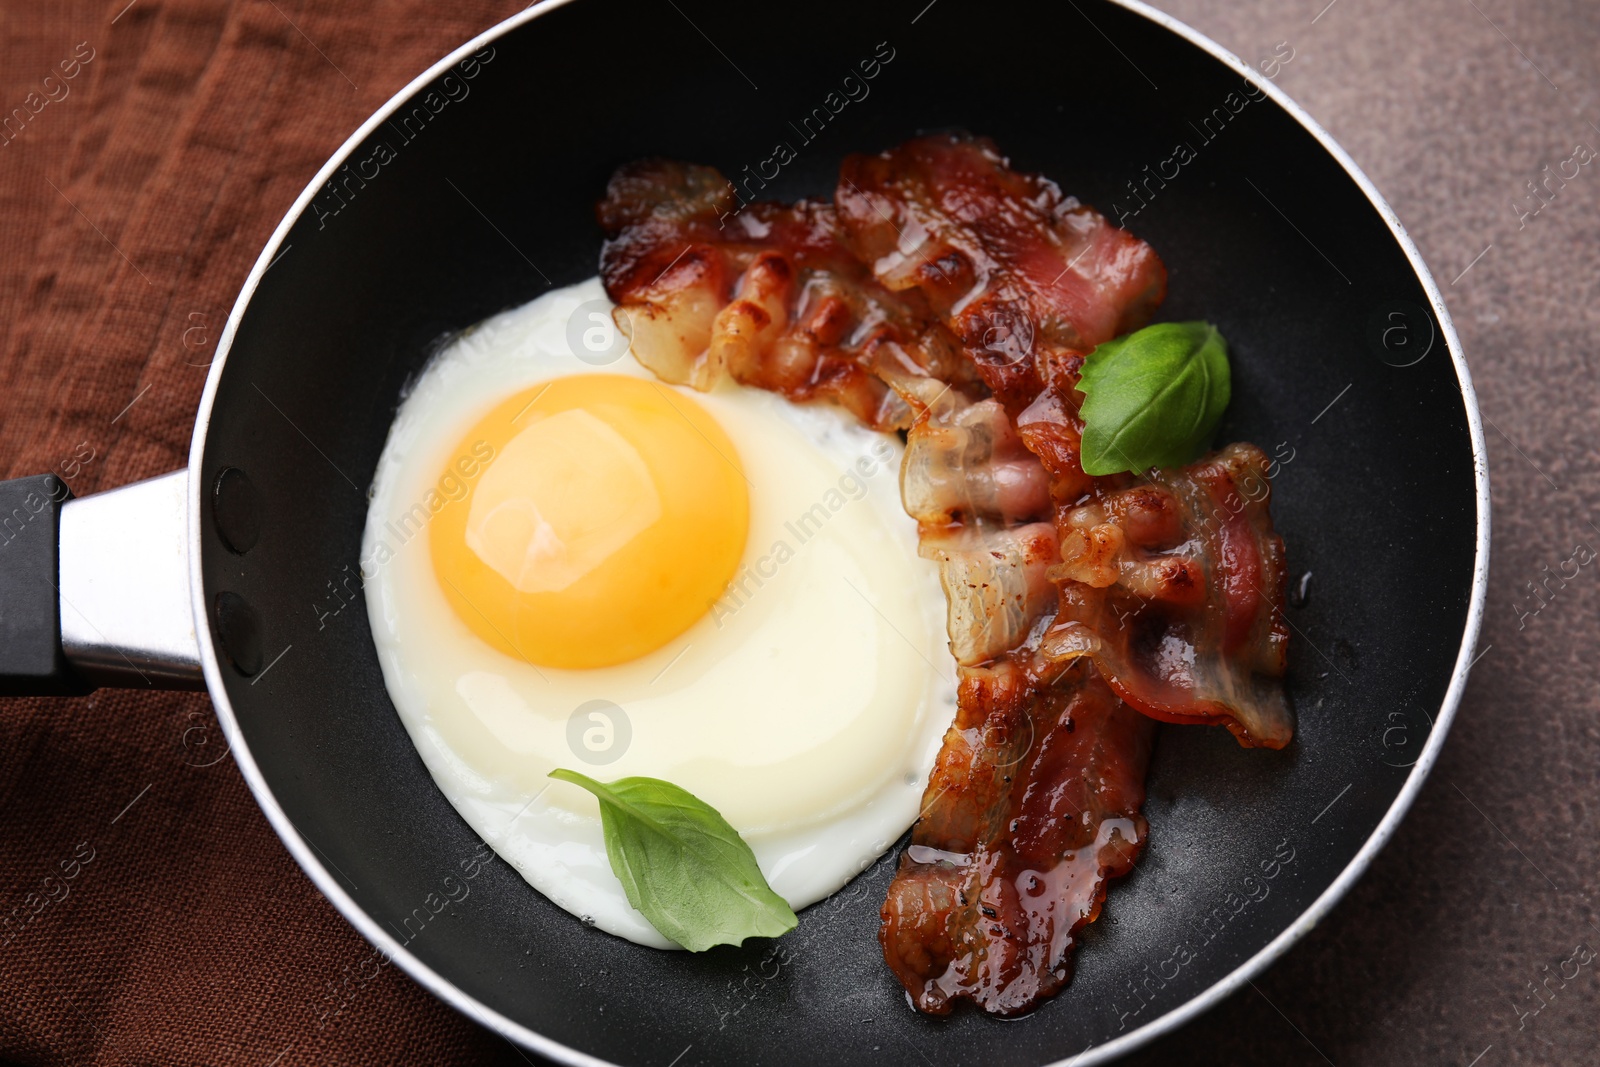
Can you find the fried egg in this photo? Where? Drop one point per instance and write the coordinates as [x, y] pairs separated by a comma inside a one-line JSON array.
[[568, 563]]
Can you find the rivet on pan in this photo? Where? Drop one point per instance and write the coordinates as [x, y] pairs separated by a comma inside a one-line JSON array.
[[239, 631], [236, 508]]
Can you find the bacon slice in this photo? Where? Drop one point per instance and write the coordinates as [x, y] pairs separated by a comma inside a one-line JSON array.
[[1177, 591], [1032, 807], [1015, 267], [766, 294], [1173, 582], [1175, 587], [977, 494]]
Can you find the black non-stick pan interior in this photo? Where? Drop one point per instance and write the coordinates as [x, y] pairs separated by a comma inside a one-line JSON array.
[[488, 202]]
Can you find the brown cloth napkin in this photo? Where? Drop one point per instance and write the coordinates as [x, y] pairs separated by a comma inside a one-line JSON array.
[[154, 918]]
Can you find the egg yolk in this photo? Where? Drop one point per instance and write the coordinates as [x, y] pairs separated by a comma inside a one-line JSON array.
[[593, 519]]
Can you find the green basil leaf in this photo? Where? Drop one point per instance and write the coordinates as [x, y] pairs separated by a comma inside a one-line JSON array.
[[1154, 397], [682, 865]]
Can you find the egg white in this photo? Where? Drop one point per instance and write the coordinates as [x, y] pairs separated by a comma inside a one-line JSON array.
[[807, 705]]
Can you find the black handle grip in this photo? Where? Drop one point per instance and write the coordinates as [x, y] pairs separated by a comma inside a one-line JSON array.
[[31, 660]]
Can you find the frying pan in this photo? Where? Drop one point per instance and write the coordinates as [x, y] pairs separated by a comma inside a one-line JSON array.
[[472, 190]]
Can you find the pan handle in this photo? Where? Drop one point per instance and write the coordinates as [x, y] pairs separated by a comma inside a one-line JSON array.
[[94, 591]]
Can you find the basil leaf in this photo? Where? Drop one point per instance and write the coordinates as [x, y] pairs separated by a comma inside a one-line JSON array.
[[682, 865], [1154, 397]]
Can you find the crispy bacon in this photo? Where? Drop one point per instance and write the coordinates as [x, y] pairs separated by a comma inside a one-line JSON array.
[[1175, 587], [1032, 807], [1177, 593], [766, 294], [1015, 267], [953, 298]]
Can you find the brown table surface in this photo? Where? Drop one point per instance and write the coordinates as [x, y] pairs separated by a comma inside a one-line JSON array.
[[131, 208]]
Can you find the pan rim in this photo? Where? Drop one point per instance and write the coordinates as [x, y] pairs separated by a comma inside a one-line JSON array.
[[304, 852]]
